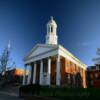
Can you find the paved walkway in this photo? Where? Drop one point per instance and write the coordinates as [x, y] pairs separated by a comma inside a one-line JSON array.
[[8, 96], [11, 93], [12, 96]]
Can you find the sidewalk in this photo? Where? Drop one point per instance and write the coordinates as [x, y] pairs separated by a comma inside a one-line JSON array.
[[10, 90], [14, 91], [9, 93]]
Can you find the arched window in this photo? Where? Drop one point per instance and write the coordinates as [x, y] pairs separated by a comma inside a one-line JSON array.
[[51, 29]]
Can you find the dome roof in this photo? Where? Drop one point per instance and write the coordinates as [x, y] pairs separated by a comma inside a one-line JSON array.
[[52, 22]]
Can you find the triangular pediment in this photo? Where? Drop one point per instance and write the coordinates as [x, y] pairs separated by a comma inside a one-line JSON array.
[[40, 49]]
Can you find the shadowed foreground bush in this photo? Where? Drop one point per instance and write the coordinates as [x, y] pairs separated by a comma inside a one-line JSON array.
[[60, 92]]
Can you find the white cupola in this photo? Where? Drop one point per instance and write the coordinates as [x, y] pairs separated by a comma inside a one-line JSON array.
[[51, 37]]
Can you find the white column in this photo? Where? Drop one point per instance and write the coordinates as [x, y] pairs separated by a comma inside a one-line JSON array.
[[58, 73], [24, 76], [49, 71], [41, 72], [29, 75], [34, 73]]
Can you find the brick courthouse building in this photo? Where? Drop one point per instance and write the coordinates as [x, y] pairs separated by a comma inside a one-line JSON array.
[[93, 76], [51, 64]]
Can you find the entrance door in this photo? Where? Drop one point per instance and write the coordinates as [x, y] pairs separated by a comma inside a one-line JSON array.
[[53, 72], [37, 73]]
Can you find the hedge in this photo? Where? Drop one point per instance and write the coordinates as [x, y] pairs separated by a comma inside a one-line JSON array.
[[60, 92]]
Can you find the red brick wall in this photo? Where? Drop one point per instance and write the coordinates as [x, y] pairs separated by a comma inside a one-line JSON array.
[[62, 71], [72, 69], [95, 78], [53, 72]]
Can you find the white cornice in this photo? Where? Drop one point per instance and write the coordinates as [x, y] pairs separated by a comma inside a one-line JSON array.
[[40, 45], [44, 55], [66, 52], [56, 48]]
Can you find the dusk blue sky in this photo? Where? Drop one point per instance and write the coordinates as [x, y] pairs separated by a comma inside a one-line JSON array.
[[23, 22]]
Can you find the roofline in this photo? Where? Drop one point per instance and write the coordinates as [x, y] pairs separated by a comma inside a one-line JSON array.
[[58, 46], [71, 55], [43, 45]]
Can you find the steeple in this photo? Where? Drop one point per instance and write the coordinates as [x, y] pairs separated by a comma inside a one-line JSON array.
[[51, 37]]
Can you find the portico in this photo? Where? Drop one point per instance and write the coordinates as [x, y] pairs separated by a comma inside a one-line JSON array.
[[52, 64], [42, 71]]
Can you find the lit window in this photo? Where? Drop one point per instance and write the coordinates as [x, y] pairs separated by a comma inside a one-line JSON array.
[[96, 75]]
